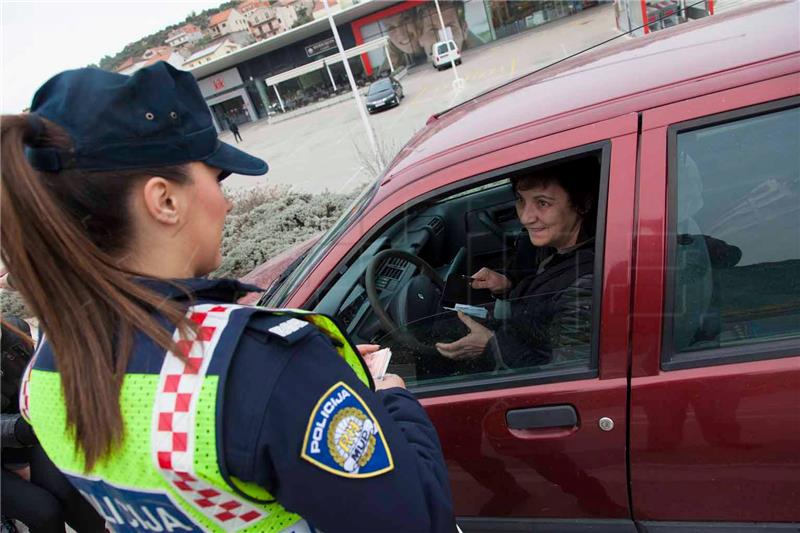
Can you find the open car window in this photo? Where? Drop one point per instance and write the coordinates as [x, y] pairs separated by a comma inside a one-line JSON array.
[[399, 290]]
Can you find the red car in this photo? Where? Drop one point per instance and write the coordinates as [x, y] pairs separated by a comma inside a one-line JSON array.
[[684, 411]]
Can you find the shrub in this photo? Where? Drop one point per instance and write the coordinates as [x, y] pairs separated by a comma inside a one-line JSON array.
[[266, 221]]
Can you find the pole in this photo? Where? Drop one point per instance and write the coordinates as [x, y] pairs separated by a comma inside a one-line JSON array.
[[328, 68], [280, 101], [457, 82], [389, 57], [359, 104]]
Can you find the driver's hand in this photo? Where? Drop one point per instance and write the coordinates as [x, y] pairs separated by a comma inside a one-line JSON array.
[[470, 346], [486, 278], [365, 350]]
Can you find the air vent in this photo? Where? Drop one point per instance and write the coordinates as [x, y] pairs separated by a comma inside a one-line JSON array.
[[436, 224], [391, 270]]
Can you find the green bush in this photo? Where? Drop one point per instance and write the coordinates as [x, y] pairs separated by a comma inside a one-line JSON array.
[[266, 221]]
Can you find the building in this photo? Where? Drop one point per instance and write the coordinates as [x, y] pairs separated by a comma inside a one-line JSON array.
[[288, 11], [186, 35], [226, 22], [153, 55], [217, 50], [301, 65], [319, 8], [261, 18]]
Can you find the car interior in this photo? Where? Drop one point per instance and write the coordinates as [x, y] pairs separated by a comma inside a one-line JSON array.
[[399, 288]]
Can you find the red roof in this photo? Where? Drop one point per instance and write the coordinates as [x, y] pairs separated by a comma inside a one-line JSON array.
[[125, 64], [319, 4], [220, 17]]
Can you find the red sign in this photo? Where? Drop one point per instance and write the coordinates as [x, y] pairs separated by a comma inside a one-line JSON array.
[[219, 84]]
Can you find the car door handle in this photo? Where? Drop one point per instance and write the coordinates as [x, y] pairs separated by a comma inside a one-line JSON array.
[[551, 416]]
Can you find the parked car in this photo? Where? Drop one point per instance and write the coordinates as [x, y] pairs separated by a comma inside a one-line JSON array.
[[683, 411], [445, 52], [383, 93]]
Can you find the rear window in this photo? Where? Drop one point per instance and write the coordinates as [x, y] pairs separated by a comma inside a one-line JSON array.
[[380, 85], [735, 260], [441, 48]]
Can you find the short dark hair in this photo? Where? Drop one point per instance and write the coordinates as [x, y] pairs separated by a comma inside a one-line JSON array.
[[579, 177]]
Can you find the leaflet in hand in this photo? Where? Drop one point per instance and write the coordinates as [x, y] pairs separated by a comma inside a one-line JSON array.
[[378, 362]]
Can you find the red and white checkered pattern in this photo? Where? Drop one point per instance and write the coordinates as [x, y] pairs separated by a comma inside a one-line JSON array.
[[174, 413], [24, 390]]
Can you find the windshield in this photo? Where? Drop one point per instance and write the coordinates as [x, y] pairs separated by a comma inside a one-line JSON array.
[[380, 85], [320, 249]]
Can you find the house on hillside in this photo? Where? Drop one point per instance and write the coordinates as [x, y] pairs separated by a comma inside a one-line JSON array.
[[150, 56], [287, 11], [262, 19], [218, 49], [186, 35], [226, 22]]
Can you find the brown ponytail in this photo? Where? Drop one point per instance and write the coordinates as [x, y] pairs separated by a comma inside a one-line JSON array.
[[62, 237]]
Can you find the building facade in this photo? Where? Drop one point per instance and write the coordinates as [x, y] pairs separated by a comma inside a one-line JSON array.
[[404, 30], [210, 53], [225, 22]]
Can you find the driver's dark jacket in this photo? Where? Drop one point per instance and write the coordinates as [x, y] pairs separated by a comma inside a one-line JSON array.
[[271, 390], [551, 311]]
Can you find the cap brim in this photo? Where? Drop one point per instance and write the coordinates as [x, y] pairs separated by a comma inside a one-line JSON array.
[[234, 161]]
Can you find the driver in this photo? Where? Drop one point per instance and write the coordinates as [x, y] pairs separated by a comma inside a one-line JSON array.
[[551, 303]]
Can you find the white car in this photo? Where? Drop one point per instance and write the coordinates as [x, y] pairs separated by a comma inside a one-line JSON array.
[[443, 53]]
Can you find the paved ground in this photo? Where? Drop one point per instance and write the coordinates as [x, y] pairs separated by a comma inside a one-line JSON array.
[[320, 150]]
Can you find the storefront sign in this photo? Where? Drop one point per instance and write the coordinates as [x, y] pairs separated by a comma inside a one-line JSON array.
[[319, 47], [222, 81]]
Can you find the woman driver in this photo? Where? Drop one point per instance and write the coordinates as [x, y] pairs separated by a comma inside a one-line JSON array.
[[551, 307]]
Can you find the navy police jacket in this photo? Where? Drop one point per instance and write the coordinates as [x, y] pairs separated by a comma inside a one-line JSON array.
[[270, 396]]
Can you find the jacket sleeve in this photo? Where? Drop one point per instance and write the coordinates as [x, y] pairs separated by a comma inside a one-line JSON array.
[[571, 328], [565, 336], [16, 432], [413, 495]]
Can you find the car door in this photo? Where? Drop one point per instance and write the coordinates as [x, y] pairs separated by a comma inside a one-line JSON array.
[[715, 390], [547, 446]]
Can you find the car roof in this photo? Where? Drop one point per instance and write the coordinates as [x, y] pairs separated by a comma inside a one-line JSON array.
[[610, 74]]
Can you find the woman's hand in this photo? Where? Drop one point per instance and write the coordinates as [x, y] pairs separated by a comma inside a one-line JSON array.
[[469, 346], [486, 278]]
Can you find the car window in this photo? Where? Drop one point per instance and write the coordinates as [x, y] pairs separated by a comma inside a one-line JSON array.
[[403, 288], [735, 235], [452, 45], [441, 48], [380, 85]]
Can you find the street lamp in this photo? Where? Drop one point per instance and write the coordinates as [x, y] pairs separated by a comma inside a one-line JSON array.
[[457, 82], [364, 120]]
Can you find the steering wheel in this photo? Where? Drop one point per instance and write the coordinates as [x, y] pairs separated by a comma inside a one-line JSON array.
[[400, 335]]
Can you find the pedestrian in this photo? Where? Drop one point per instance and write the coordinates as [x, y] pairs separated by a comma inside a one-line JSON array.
[[235, 130], [188, 412]]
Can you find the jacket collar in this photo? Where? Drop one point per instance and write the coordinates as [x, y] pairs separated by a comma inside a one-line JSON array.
[[222, 290]]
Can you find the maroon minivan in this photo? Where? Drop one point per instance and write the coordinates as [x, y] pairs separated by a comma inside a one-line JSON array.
[[682, 410]]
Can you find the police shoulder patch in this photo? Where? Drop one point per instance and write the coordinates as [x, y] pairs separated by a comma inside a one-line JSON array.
[[344, 438]]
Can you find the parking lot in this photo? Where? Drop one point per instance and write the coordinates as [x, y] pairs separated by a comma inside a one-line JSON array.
[[326, 149]]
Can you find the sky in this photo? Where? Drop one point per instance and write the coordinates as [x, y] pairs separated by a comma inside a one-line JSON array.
[[42, 38]]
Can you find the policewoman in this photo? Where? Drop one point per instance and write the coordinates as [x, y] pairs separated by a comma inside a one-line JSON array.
[[167, 405]]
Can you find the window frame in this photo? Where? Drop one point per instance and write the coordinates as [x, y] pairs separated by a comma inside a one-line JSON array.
[[488, 383], [755, 351]]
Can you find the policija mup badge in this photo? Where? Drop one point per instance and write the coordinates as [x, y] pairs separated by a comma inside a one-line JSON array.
[[344, 438]]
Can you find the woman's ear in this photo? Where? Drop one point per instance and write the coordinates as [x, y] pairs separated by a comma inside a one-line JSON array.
[[161, 200]]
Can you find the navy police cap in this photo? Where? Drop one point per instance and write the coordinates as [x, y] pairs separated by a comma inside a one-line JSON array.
[[155, 117]]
